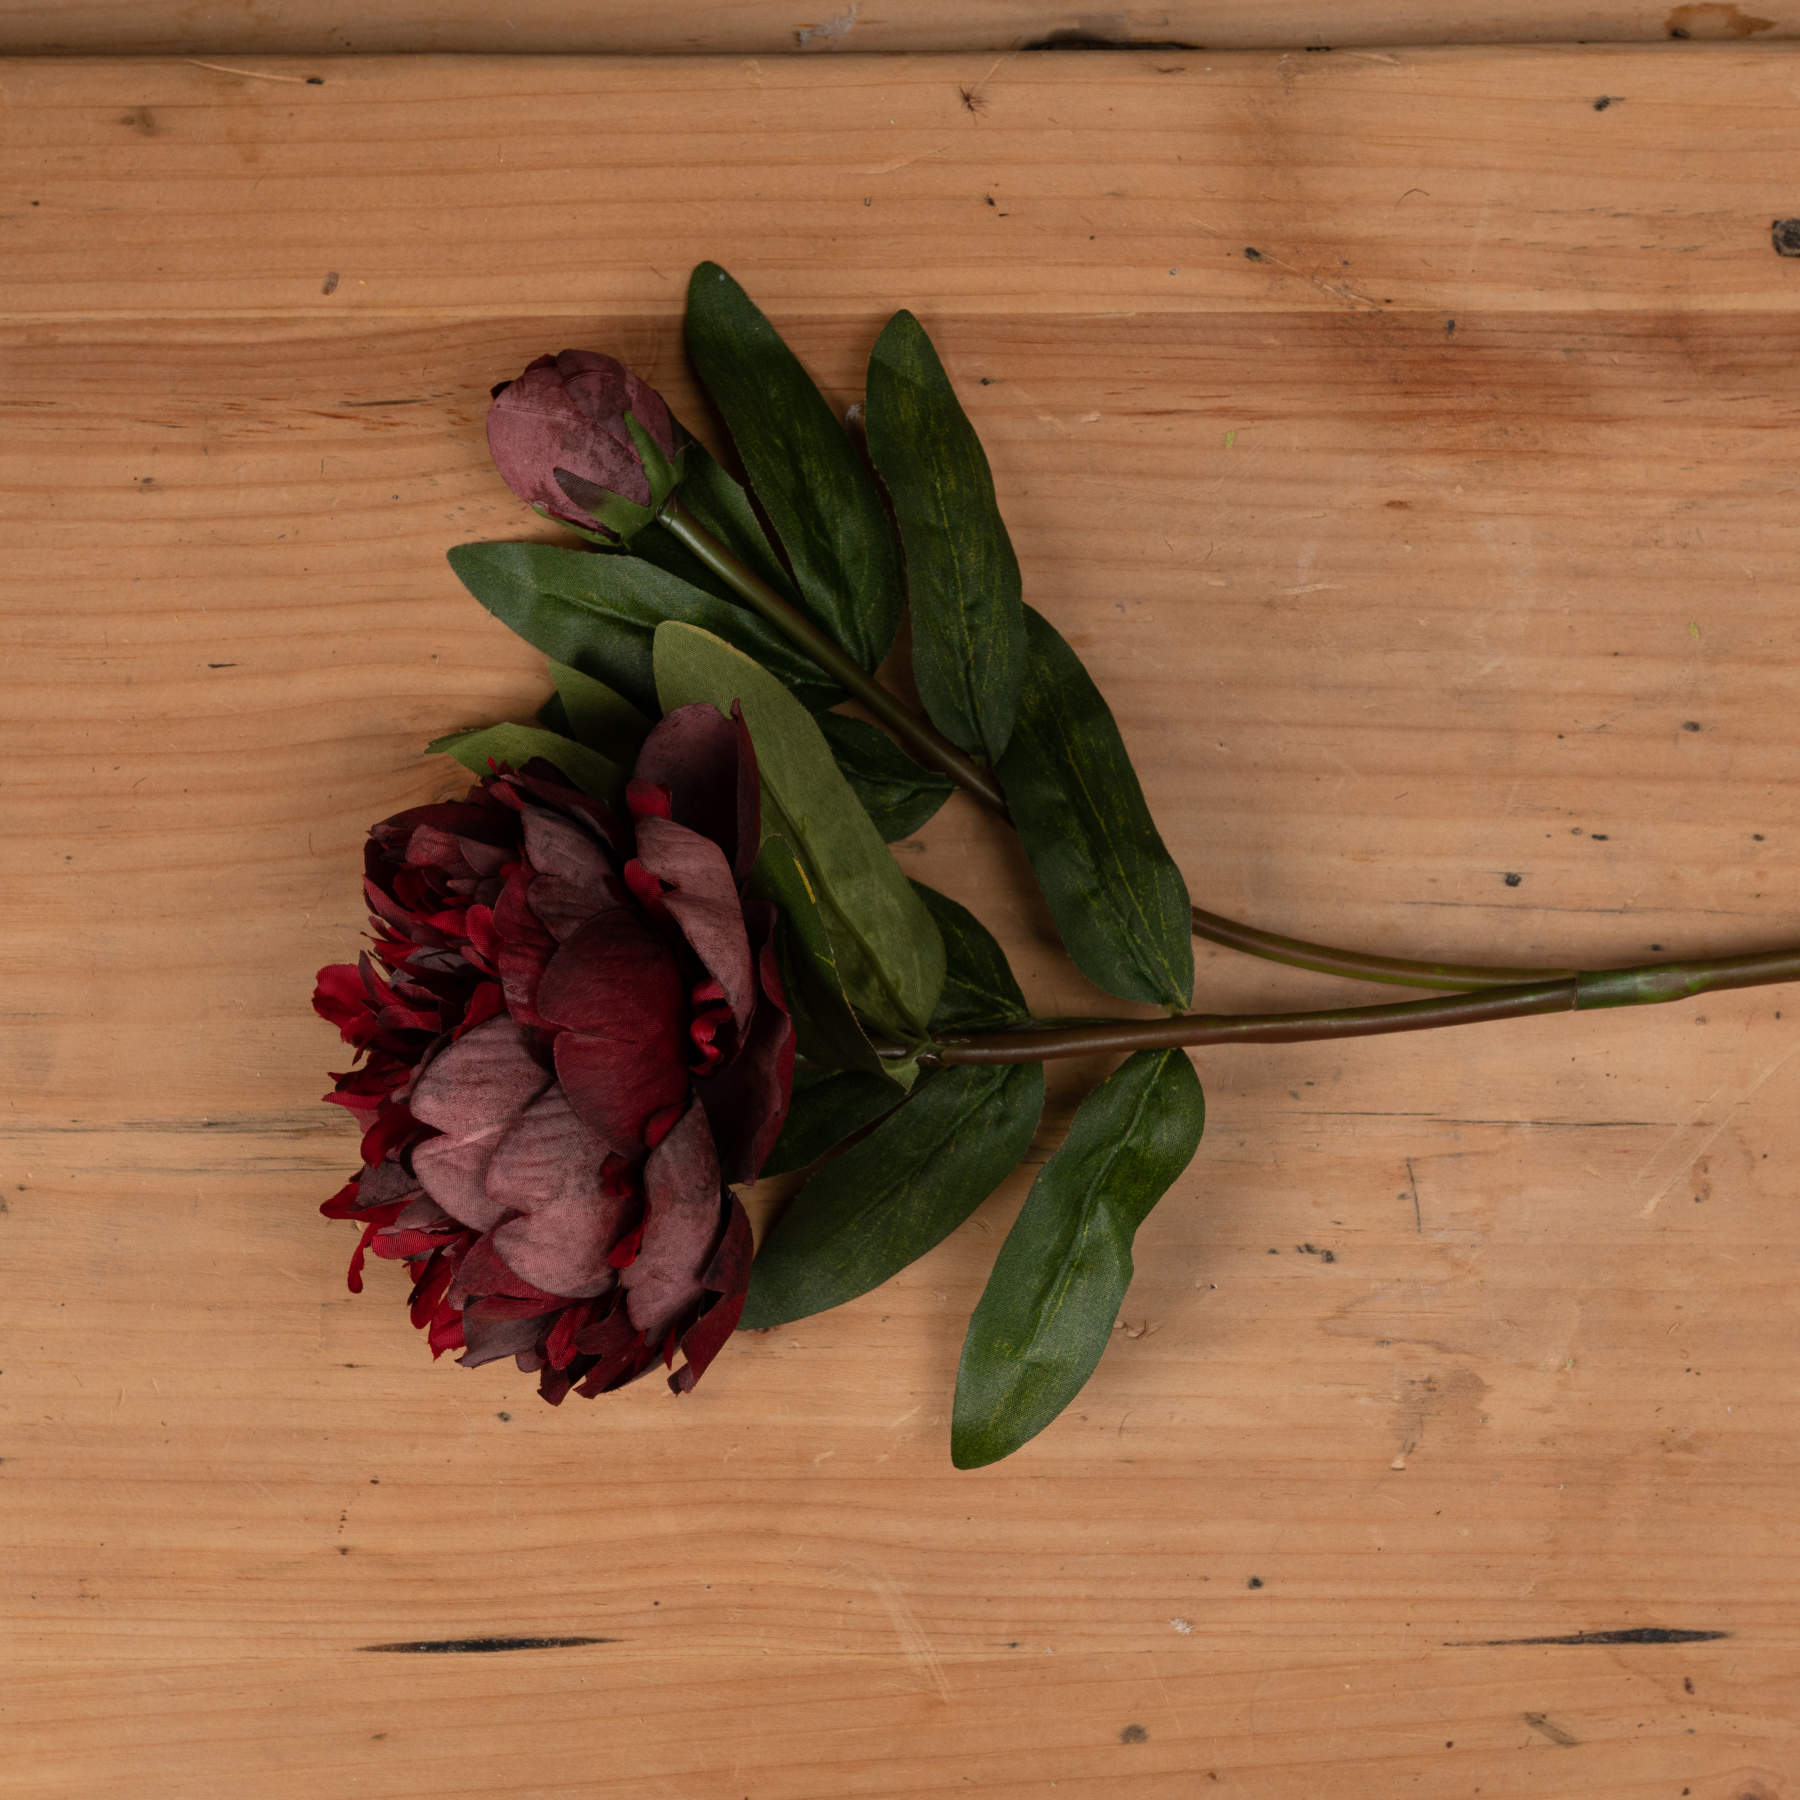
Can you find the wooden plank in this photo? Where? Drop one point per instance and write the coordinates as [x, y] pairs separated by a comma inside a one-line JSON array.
[[760, 28], [1391, 614]]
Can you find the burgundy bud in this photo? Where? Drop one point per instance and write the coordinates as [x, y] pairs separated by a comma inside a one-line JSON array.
[[566, 416]]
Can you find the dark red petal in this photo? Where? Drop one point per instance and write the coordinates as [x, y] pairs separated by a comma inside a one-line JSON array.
[[728, 1276], [617, 992], [698, 756], [341, 998], [702, 898], [647, 800], [547, 1171], [682, 1222], [482, 1275], [524, 948], [747, 1099]]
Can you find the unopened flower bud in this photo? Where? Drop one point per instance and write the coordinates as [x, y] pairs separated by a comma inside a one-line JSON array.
[[581, 437]]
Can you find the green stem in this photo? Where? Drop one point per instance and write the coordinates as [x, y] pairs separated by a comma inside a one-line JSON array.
[[1297, 953], [927, 744], [1648, 985]]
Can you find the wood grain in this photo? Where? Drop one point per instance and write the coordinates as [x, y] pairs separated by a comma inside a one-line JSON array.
[[1474, 641], [762, 28]]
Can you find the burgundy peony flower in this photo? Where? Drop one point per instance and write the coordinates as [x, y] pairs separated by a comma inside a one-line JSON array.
[[567, 412], [572, 1035]]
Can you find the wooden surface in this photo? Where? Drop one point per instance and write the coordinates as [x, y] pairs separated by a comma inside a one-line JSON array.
[[773, 27], [1438, 560]]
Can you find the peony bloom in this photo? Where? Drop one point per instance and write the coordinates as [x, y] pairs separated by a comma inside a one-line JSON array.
[[567, 413], [572, 1036]]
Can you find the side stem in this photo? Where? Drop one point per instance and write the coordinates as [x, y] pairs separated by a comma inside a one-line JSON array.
[[1648, 985], [1396, 971], [926, 743]]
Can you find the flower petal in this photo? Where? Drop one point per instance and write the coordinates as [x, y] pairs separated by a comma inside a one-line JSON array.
[[682, 1220], [702, 898], [728, 1275], [547, 1170], [747, 1099], [617, 992], [472, 1091], [706, 762], [572, 877]]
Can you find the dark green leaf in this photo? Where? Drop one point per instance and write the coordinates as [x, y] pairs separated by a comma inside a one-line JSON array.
[[897, 793], [829, 1105], [826, 1030], [1060, 1278], [815, 489], [887, 949], [1117, 896], [598, 610], [979, 991], [513, 746], [962, 578], [598, 717], [891, 1197]]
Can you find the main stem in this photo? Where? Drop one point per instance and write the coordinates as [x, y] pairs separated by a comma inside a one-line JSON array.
[[927, 744], [932, 748], [1647, 985]]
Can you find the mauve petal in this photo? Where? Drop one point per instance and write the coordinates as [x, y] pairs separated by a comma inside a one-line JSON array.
[[484, 1080], [747, 1099], [701, 896], [489, 1337], [547, 1170], [472, 1092], [682, 1220], [617, 992], [573, 879], [454, 1171], [728, 1276], [697, 754]]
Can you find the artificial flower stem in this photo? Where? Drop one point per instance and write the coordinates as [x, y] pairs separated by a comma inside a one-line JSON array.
[[927, 744], [1396, 971], [935, 750], [1647, 985]]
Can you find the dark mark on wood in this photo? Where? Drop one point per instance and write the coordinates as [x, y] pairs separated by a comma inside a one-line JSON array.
[[1547, 1727], [1072, 37], [1642, 1634], [1607, 100], [331, 281], [1784, 234], [1134, 1734], [482, 1646], [412, 400], [221, 665], [1252, 254]]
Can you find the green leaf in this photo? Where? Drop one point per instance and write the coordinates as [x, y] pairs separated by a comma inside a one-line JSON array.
[[962, 578], [721, 505], [1060, 1278], [599, 717], [898, 1192], [1117, 896], [899, 794], [516, 745], [829, 1105], [826, 1030], [597, 611], [887, 949], [979, 991], [815, 489]]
